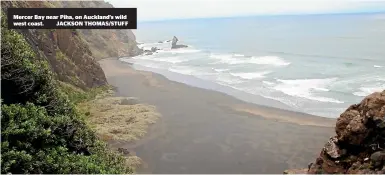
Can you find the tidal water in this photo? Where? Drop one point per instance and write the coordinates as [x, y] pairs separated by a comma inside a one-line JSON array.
[[317, 64]]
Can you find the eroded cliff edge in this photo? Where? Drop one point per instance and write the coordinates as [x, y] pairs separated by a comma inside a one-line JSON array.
[[72, 54], [359, 144]]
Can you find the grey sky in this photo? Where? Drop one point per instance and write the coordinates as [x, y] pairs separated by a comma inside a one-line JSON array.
[[176, 9]]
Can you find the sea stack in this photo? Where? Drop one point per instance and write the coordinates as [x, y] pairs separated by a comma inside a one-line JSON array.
[[174, 44]]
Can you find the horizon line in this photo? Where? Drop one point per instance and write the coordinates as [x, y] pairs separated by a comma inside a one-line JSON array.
[[260, 15]]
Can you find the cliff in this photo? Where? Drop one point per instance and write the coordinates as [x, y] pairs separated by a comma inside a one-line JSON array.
[[73, 54], [67, 53], [358, 146], [104, 43]]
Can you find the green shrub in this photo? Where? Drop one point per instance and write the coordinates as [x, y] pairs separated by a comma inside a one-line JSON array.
[[33, 142]]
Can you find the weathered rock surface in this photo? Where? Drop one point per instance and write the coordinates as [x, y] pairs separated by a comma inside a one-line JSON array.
[[174, 44], [107, 42], [151, 51], [358, 147]]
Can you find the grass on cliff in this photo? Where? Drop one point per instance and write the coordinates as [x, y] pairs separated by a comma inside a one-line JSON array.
[[41, 131]]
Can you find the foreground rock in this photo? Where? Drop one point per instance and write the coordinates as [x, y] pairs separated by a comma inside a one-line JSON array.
[[358, 147], [174, 44]]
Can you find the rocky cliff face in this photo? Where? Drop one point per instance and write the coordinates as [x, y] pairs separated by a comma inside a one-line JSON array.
[[73, 54], [359, 144], [104, 43]]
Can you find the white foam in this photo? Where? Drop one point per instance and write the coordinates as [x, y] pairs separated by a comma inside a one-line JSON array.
[[250, 75], [181, 50], [304, 87], [220, 70], [367, 90], [377, 66], [226, 79], [171, 59], [270, 60], [240, 59], [221, 56], [268, 83], [184, 71], [238, 55]]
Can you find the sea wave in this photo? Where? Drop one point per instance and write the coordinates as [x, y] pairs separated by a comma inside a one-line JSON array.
[[182, 50], [170, 59], [220, 70], [250, 75], [270, 60], [377, 66], [241, 59], [180, 70], [268, 83], [238, 55], [304, 88], [367, 90], [227, 79]]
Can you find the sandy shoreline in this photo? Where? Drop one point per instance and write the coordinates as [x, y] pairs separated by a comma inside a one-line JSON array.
[[204, 131]]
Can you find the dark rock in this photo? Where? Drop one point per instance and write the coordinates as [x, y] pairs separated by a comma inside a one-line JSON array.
[[360, 133], [147, 52], [154, 49], [160, 41], [174, 44], [150, 52], [377, 159], [308, 166], [124, 151]]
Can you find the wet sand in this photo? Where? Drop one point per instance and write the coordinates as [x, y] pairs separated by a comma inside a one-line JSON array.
[[204, 131]]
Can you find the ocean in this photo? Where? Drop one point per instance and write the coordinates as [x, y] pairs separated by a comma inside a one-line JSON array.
[[317, 64]]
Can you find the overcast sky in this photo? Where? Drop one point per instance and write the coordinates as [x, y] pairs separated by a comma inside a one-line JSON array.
[[179, 9]]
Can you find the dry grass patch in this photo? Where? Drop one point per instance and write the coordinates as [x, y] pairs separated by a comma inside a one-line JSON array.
[[119, 118]]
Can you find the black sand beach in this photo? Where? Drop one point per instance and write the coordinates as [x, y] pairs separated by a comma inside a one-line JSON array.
[[204, 131]]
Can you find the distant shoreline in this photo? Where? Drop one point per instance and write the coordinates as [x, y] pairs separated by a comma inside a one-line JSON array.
[[254, 100], [212, 86]]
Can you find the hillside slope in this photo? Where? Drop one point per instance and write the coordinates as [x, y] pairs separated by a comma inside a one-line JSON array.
[[41, 130], [43, 74]]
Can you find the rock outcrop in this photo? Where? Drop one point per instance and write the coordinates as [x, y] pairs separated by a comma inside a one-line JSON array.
[[359, 144], [151, 51], [174, 44]]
